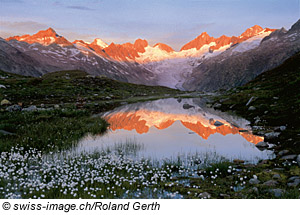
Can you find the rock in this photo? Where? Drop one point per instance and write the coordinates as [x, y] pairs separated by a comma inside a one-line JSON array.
[[204, 195], [252, 108], [5, 102], [179, 100], [276, 176], [187, 106], [6, 132], [270, 183], [56, 106], [253, 190], [282, 128], [262, 145], [107, 97], [298, 159], [295, 183], [277, 192], [2, 86], [283, 152], [224, 195], [217, 105], [224, 100], [254, 181], [293, 178], [289, 157], [272, 135], [250, 100], [13, 108], [218, 123], [30, 108], [237, 161]]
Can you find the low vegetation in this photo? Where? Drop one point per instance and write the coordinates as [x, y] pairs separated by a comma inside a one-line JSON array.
[[269, 101]]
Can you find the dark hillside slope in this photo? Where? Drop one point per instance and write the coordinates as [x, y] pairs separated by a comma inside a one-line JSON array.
[[276, 100]]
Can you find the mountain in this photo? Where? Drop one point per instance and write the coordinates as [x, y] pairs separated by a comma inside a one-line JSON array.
[[45, 38], [205, 63], [15, 61], [217, 43], [244, 61], [52, 52]]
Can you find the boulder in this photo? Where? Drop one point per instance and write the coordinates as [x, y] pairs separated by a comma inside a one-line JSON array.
[[283, 152], [187, 106], [270, 183], [5, 102], [30, 108], [204, 195], [272, 135], [252, 108], [276, 177], [218, 123], [289, 157], [254, 181], [13, 108], [217, 105], [277, 192], [262, 145], [295, 183]]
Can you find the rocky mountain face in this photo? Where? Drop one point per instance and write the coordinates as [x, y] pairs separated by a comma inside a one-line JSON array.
[[237, 65], [48, 52], [205, 63]]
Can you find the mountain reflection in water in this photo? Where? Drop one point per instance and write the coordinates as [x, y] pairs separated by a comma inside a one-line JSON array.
[[170, 127]]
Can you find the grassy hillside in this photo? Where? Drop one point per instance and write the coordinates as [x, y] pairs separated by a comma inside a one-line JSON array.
[[66, 101], [71, 87], [276, 100]]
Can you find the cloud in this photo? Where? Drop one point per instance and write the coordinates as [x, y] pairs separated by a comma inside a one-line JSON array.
[[22, 26], [76, 7]]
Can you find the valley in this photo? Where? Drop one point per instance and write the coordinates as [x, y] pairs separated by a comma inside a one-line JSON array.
[[217, 119]]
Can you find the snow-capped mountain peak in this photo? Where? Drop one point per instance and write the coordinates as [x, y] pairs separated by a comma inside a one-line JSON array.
[[100, 43], [44, 37]]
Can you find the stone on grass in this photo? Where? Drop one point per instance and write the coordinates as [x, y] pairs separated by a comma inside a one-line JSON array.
[[252, 108], [272, 135], [262, 145], [5, 102], [283, 152], [6, 132], [270, 183], [276, 176], [13, 108], [30, 108], [277, 192], [289, 157], [295, 183], [254, 181], [204, 195]]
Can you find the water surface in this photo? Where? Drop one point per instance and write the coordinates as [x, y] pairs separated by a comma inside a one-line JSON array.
[[168, 128]]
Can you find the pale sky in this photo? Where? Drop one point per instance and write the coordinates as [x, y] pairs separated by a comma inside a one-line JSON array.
[[173, 22]]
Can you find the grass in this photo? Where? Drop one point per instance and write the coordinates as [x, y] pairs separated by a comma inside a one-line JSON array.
[[45, 130], [73, 87]]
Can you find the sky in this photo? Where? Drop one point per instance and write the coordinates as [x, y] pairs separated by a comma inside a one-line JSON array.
[[174, 22]]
